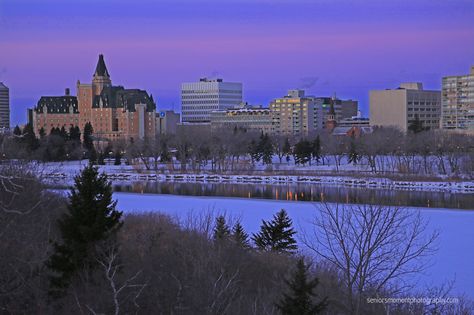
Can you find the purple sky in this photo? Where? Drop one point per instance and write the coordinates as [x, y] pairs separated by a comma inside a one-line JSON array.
[[325, 46]]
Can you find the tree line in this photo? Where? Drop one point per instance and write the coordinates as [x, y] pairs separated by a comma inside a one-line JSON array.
[[385, 150], [59, 145]]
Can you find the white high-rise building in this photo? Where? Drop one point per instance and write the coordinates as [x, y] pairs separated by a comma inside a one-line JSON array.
[[198, 99], [4, 107], [458, 102]]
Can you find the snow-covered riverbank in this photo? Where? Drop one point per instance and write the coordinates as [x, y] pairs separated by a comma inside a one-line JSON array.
[[54, 172]]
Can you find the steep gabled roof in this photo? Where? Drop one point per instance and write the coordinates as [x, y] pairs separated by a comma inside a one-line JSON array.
[[57, 105], [101, 69], [107, 97], [126, 99]]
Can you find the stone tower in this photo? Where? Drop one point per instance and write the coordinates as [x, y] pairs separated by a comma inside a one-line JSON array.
[[101, 77]]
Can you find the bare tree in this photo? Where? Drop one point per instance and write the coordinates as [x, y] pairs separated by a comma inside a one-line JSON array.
[[373, 247], [27, 216], [337, 147], [183, 143], [128, 288], [377, 146], [279, 146], [456, 149]]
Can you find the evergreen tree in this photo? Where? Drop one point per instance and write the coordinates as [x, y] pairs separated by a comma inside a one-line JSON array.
[[91, 219], [353, 155], [118, 158], [75, 134], [63, 133], [221, 229], [29, 138], [300, 298], [17, 131], [276, 235], [42, 133], [302, 152], [265, 148], [54, 132], [88, 142], [316, 152], [93, 156], [60, 151], [416, 125], [254, 151], [239, 236]]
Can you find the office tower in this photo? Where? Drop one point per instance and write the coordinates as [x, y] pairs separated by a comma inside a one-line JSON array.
[[400, 107], [198, 99], [457, 102], [4, 106]]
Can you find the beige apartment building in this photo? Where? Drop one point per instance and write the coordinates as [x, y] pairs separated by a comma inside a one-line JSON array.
[[293, 114], [252, 118], [400, 107], [457, 102]]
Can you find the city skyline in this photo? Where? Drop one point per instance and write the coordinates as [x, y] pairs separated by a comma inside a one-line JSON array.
[[320, 46]]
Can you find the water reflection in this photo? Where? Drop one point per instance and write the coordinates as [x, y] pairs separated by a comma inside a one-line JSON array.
[[305, 192]]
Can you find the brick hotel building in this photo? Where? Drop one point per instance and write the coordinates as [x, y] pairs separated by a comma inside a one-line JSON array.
[[114, 112]]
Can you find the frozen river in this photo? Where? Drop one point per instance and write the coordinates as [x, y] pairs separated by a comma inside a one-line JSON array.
[[453, 261], [305, 192]]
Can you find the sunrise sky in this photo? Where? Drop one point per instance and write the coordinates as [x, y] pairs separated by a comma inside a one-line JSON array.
[[324, 46]]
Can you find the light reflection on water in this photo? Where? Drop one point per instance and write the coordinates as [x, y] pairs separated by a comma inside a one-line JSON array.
[[305, 192]]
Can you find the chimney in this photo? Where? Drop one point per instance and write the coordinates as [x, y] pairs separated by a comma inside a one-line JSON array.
[[67, 92]]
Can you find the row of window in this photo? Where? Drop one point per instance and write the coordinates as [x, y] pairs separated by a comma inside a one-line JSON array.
[[221, 101], [237, 92], [423, 115], [424, 103], [58, 121], [199, 108], [417, 109], [195, 114]]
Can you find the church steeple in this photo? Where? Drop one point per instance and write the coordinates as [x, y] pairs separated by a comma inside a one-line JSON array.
[[331, 117], [101, 78], [101, 69], [332, 112]]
